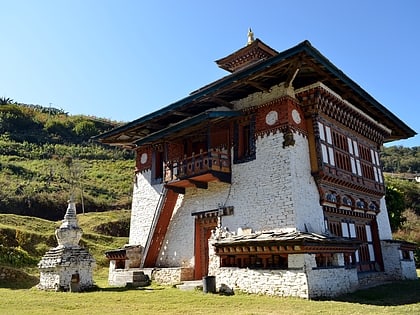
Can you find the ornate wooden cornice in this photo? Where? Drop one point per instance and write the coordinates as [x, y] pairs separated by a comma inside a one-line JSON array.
[[376, 190], [255, 51], [319, 99]]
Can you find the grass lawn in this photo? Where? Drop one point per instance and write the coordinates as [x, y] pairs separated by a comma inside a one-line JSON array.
[[397, 298]]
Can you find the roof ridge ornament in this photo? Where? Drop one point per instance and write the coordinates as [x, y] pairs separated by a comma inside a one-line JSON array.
[[250, 37]]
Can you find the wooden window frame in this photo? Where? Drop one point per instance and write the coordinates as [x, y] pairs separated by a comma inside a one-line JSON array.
[[244, 139], [158, 158]]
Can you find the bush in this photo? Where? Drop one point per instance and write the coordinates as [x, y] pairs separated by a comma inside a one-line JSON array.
[[16, 257]]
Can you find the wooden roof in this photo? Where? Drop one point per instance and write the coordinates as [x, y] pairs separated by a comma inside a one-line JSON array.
[[302, 64], [248, 55], [288, 238]]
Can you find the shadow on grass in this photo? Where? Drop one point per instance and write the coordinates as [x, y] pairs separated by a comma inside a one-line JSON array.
[[19, 284], [126, 288], [392, 294]]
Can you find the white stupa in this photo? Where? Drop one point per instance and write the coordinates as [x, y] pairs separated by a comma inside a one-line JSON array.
[[67, 266]]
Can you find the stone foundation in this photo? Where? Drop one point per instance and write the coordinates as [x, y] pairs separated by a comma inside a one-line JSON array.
[[135, 277], [270, 282], [302, 279], [396, 266], [171, 276]]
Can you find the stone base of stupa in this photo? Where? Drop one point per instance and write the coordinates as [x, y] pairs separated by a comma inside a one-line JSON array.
[[66, 269]]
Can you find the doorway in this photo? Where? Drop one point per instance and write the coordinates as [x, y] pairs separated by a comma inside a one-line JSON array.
[[203, 227]]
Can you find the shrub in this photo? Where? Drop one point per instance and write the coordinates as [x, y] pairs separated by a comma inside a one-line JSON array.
[[16, 257]]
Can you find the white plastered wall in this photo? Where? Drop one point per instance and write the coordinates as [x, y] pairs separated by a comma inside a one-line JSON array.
[[273, 192], [145, 200], [178, 245], [383, 222]]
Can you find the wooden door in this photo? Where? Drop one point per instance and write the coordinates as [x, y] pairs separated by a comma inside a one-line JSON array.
[[203, 228]]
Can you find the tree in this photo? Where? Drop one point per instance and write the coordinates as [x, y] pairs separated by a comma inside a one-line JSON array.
[[5, 101], [396, 205], [85, 129], [410, 191]]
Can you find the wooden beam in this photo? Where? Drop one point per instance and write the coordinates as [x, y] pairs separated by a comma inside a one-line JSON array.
[[292, 75], [179, 113], [220, 101], [257, 85], [198, 184], [176, 189]]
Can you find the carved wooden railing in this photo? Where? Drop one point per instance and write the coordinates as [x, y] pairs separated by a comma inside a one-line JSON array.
[[214, 160]]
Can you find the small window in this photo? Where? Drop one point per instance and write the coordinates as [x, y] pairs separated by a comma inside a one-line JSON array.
[[406, 255], [360, 204], [347, 201], [120, 264], [331, 197], [157, 167], [244, 139], [324, 260]]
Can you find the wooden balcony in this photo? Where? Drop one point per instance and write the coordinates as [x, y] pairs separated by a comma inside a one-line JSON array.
[[198, 169]]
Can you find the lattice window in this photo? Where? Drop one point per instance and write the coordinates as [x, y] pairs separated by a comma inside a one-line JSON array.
[[335, 228], [326, 144], [263, 261]]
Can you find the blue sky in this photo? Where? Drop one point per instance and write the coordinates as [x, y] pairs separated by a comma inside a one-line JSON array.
[[123, 59]]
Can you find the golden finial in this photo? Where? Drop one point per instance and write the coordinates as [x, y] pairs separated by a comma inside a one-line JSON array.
[[250, 36]]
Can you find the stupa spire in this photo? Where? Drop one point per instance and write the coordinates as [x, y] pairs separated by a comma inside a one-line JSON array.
[[250, 37]]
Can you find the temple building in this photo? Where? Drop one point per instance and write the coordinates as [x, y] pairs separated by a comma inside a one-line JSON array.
[[268, 179]]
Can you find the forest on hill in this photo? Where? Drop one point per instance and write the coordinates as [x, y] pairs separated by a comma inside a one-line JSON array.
[[398, 159], [46, 155]]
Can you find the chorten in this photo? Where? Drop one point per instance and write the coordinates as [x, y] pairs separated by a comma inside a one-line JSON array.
[[67, 266]]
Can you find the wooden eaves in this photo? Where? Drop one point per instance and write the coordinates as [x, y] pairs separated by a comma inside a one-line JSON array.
[[302, 63]]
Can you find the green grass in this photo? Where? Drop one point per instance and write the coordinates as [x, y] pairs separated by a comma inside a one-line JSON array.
[[399, 298], [20, 297]]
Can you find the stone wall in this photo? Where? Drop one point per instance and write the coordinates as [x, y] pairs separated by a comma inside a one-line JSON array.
[[382, 219], [178, 245], [61, 278], [270, 282], [302, 279], [396, 268], [408, 269], [118, 277], [260, 98], [330, 281], [276, 190], [123, 277], [170, 276], [305, 195], [145, 199]]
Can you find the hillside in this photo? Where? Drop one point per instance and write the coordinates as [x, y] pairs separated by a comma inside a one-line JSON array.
[[46, 154], [24, 240]]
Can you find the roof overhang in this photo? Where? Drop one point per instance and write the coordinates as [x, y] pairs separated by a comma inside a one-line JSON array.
[[300, 66], [286, 242], [197, 121]]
